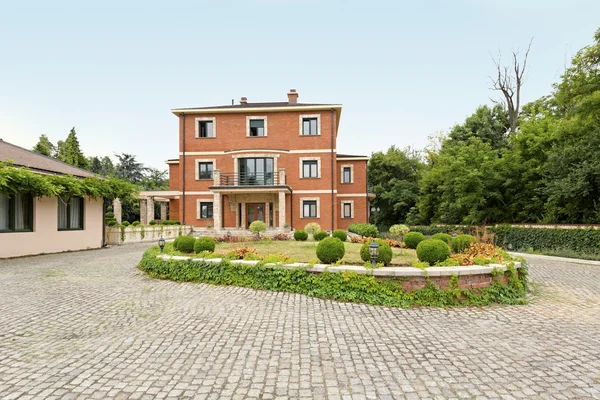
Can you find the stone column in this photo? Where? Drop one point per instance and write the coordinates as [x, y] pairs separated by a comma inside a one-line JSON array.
[[281, 209], [217, 177], [267, 214], [163, 210], [281, 176], [150, 208], [143, 212], [217, 211], [118, 210]]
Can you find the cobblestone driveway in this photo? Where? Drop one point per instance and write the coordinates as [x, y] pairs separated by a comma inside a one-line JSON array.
[[90, 325]]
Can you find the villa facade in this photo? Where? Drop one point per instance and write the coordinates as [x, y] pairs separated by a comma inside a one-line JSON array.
[[276, 162]]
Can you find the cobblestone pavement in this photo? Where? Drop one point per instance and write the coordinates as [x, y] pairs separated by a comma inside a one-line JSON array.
[[90, 325]]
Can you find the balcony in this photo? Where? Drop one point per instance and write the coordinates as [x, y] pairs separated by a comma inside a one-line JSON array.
[[248, 180]]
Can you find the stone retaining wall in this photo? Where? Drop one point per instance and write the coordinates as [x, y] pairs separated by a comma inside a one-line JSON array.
[[144, 233]]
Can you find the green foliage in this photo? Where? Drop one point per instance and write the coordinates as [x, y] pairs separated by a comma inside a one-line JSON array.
[[300, 235], [257, 227], [129, 169], [276, 258], [412, 239], [399, 230], [430, 230], [112, 223], [152, 222], [312, 228], [169, 222], [20, 180], [44, 146], [449, 262], [461, 242], [330, 250], [320, 236], [109, 215], [548, 239], [204, 244], [186, 244], [420, 264], [433, 251], [70, 152], [394, 176], [125, 223], [176, 242], [444, 237], [135, 223], [340, 234], [347, 286], [385, 252], [366, 230]]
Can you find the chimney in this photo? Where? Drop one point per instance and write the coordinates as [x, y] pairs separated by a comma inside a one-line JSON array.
[[292, 96], [244, 100]]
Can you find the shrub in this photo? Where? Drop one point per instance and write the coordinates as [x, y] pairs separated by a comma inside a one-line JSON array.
[[584, 240], [367, 230], [186, 244], [432, 251], [399, 230], [312, 228], [330, 250], [257, 227], [112, 223], [153, 222], [300, 235], [125, 223], [281, 236], [176, 242], [204, 244], [444, 237], [412, 239], [340, 234], [462, 242], [385, 252], [320, 235], [241, 253], [169, 222], [276, 258], [135, 223], [433, 229]]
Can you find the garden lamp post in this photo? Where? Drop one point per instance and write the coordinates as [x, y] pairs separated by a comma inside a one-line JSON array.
[[374, 252], [228, 234], [161, 243]]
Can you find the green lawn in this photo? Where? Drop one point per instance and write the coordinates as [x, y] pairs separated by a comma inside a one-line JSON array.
[[306, 251]]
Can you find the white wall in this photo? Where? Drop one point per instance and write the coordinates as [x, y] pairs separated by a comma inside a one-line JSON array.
[[46, 238]]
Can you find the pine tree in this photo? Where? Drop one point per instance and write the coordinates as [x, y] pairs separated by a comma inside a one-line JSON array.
[[44, 146], [72, 152]]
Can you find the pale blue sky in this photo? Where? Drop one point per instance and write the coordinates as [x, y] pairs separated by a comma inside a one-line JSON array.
[[403, 70]]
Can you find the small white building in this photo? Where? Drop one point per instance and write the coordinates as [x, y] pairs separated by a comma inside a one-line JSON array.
[[30, 225]]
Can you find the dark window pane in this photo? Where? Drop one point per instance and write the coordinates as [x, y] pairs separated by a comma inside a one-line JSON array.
[[4, 212], [347, 175], [206, 128], [205, 170], [257, 127], [206, 210], [309, 209]]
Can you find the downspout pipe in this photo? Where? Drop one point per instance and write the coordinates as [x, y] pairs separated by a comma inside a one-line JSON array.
[[183, 170], [332, 171]]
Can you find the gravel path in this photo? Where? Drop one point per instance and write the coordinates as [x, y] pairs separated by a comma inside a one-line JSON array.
[[90, 325]]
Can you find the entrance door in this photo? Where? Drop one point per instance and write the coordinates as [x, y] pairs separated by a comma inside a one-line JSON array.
[[255, 212]]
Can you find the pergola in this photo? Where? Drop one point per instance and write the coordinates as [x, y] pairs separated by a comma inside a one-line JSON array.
[[147, 200]]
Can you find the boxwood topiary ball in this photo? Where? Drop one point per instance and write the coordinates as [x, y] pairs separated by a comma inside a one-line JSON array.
[[432, 251], [186, 244], [385, 252], [320, 235], [204, 244], [462, 242], [330, 250], [300, 235], [340, 234], [412, 239], [444, 237]]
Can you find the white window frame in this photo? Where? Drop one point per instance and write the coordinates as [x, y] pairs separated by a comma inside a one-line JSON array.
[[204, 160], [351, 166], [301, 166], [250, 118], [317, 199], [204, 119], [318, 117], [199, 211], [343, 204]]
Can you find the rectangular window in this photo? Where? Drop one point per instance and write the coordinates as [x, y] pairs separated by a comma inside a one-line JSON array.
[[309, 126], [257, 127], [205, 170], [206, 210], [309, 209], [205, 129], [347, 175], [310, 169], [16, 213], [70, 213], [256, 171], [347, 210]]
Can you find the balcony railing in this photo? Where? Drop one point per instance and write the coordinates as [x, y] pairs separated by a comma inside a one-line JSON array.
[[248, 179]]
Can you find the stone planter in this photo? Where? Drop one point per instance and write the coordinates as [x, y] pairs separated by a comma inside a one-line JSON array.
[[144, 233]]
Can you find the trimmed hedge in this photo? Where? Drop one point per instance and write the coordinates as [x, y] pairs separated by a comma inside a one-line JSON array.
[[444, 237], [433, 229], [185, 244], [349, 286], [432, 251], [320, 236], [340, 234], [125, 223], [366, 230], [330, 250], [135, 223], [204, 244], [577, 239], [462, 242], [412, 239], [385, 252], [300, 235]]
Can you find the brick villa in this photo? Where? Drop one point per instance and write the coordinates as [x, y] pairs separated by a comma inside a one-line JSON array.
[[276, 162]]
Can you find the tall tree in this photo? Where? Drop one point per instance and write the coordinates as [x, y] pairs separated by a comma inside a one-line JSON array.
[[393, 176], [155, 179], [488, 124], [128, 168], [72, 153], [44, 146]]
